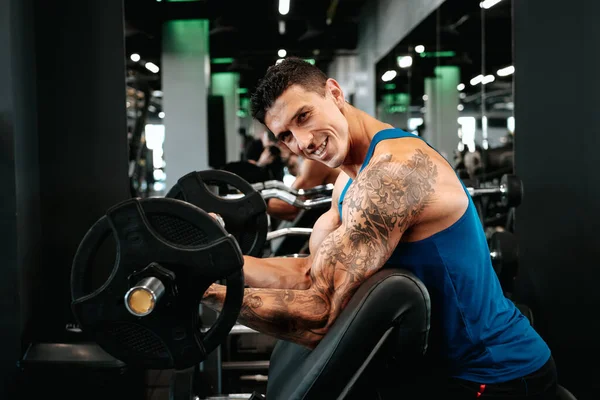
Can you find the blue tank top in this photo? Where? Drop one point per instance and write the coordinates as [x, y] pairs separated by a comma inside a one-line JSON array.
[[477, 333]]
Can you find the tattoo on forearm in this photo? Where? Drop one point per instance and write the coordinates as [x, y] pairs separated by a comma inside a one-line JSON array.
[[388, 196], [284, 313]]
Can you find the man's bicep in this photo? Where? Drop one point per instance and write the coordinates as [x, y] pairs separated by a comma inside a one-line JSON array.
[[329, 220], [388, 198], [385, 200], [324, 225]]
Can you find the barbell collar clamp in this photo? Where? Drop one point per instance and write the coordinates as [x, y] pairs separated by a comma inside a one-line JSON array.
[[142, 298]]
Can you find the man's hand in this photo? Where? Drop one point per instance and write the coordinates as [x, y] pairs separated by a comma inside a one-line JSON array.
[[385, 200], [313, 173], [265, 158]]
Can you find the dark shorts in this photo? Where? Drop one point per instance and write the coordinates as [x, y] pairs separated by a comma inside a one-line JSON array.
[[425, 382], [539, 385]]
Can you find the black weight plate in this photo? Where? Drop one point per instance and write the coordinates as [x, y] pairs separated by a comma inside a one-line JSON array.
[[506, 265], [245, 217], [514, 190], [187, 250], [506, 245]]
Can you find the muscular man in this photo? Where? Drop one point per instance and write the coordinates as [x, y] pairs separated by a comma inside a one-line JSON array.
[[397, 203], [312, 173]]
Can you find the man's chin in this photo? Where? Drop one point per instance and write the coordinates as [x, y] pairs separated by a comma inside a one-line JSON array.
[[333, 163]]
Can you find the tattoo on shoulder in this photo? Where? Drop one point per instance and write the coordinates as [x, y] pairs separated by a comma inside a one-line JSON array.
[[390, 194]]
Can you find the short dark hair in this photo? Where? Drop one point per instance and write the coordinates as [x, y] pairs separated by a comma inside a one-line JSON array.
[[279, 77]]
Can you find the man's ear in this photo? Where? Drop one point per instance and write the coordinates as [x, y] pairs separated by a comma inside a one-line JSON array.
[[334, 88]]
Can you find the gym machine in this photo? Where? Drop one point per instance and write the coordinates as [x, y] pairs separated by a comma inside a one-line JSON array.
[[146, 312]]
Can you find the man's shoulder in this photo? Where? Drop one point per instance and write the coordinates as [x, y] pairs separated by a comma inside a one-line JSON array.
[[410, 165], [393, 156], [401, 148]]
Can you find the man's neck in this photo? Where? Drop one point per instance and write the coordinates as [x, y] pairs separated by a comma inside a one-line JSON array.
[[361, 129]]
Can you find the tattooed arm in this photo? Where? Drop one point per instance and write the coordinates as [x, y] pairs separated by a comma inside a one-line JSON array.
[[387, 198]]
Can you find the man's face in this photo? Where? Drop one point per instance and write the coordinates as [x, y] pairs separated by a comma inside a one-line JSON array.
[[310, 125]]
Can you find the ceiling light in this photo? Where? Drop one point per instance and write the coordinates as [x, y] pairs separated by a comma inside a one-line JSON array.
[[461, 86], [152, 67], [477, 80], [506, 71], [135, 57], [388, 75], [284, 7], [405, 62], [489, 3], [281, 53], [420, 48], [488, 79]]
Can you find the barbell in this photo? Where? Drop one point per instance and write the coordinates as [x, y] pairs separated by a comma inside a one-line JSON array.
[[241, 206], [321, 190], [510, 191]]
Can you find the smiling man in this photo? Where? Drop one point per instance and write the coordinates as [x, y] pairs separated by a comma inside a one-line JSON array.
[[398, 202]]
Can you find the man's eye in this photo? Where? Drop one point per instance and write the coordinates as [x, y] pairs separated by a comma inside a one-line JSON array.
[[302, 116]]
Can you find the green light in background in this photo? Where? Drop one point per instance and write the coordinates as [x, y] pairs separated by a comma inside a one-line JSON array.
[[242, 90], [402, 99], [225, 84], [310, 61], [446, 76], [225, 60], [242, 113], [390, 86], [186, 36], [437, 54], [396, 109], [388, 99], [396, 102]]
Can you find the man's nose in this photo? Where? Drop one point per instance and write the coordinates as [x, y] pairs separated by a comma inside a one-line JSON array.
[[305, 141]]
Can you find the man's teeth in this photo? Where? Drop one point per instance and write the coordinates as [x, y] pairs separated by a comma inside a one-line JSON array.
[[321, 148]]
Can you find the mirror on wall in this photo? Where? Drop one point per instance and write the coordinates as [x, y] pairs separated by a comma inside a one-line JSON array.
[[450, 80]]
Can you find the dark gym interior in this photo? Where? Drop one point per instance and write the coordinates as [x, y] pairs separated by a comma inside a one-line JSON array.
[[86, 85]]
